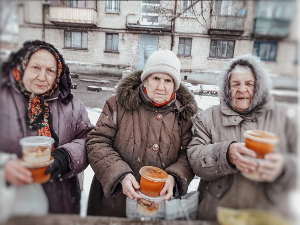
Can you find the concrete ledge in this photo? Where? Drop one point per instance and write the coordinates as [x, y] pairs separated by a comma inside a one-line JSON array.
[[62, 219]]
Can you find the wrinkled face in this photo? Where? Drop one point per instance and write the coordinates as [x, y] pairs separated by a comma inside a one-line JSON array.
[[40, 72], [160, 87], [241, 89]]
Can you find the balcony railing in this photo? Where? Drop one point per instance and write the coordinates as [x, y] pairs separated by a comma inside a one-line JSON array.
[[231, 23], [73, 16], [271, 27]]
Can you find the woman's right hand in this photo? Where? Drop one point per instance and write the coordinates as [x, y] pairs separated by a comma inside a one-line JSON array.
[[130, 187], [236, 156], [16, 173]]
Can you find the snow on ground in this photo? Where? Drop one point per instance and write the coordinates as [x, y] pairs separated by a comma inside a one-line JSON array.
[[203, 102]]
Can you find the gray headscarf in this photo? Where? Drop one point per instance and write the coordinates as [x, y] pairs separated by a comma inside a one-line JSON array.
[[261, 87]]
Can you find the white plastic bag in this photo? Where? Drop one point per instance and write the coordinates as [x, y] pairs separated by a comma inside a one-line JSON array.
[[184, 208]]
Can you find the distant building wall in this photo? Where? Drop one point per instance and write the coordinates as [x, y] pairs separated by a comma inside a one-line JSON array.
[[96, 60]]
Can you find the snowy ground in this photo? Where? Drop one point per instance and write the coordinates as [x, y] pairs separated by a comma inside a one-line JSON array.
[[203, 102]]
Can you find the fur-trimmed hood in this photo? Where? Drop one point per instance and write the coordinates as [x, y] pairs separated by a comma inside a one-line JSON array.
[[262, 81], [128, 95]]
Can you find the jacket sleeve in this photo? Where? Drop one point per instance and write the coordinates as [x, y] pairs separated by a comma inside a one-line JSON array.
[[76, 148], [181, 169], [208, 160], [107, 164], [287, 181]]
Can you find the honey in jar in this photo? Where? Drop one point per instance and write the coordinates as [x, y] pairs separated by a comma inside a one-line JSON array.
[[262, 142], [152, 180]]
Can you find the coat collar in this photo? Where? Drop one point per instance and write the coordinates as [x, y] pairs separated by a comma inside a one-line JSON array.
[[233, 118], [128, 96]]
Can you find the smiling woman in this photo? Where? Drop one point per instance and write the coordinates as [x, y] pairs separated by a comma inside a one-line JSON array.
[[40, 72], [36, 92]]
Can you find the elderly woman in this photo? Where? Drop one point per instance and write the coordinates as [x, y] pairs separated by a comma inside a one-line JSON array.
[[147, 123], [36, 99], [217, 152]]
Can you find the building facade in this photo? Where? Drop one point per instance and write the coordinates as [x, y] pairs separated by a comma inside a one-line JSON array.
[[107, 37]]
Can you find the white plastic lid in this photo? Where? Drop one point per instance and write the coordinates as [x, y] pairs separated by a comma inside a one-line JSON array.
[[152, 199], [36, 141], [144, 172], [257, 135]]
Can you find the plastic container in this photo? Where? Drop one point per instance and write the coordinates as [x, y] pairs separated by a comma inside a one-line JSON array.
[[152, 180], [148, 206], [253, 175], [262, 142], [37, 156], [38, 170]]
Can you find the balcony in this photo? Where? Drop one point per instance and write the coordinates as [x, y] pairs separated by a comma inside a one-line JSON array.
[[266, 27], [73, 16], [226, 25]]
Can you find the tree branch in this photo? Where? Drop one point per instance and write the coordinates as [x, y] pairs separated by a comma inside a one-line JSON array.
[[179, 14]]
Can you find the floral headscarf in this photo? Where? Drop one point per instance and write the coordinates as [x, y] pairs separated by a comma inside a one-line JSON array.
[[38, 115]]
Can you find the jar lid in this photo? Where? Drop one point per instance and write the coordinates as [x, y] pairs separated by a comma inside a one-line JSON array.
[[262, 136], [153, 173], [36, 141]]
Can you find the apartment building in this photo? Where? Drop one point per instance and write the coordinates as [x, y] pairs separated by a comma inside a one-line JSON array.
[[100, 37]]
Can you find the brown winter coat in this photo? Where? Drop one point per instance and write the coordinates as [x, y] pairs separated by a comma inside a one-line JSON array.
[[71, 124], [122, 143], [221, 184]]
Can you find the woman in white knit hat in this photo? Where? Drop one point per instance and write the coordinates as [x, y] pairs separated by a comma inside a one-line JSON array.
[[147, 123]]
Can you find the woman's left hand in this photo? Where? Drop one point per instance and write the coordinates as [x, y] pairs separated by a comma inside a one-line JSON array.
[[272, 167], [168, 188]]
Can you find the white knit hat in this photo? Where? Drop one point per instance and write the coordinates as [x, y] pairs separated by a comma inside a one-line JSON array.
[[163, 61]]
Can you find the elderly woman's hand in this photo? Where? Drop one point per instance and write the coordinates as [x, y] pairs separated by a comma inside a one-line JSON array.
[[16, 173], [272, 167], [130, 186], [236, 152], [168, 188]]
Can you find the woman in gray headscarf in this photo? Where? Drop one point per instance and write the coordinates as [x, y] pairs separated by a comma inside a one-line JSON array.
[[217, 152]]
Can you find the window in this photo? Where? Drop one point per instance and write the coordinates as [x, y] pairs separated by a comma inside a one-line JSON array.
[[229, 8], [221, 49], [90, 4], [112, 6], [265, 50], [150, 12], [187, 4], [112, 42], [185, 46], [77, 40]]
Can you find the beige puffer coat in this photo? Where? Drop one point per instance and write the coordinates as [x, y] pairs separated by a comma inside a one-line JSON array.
[[122, 142]]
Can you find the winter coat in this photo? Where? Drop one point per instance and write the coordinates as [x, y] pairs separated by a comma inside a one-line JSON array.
[[223, 185], [70, 123], [123, 139]]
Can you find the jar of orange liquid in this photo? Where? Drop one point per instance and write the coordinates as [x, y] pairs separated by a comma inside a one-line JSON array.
[[152, 180], [262, 142], [37, 156]]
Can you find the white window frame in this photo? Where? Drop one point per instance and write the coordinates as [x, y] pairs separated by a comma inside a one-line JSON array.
[[111, 47], [115, 6], [188, 3], [82, 38], [143, 22]]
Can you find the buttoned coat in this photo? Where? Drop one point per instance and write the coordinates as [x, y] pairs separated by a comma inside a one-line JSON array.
[[132, 133], [223, 185], [70, 123]]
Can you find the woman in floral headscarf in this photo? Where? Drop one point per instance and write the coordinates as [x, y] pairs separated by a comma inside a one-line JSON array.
[[36, 99]]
